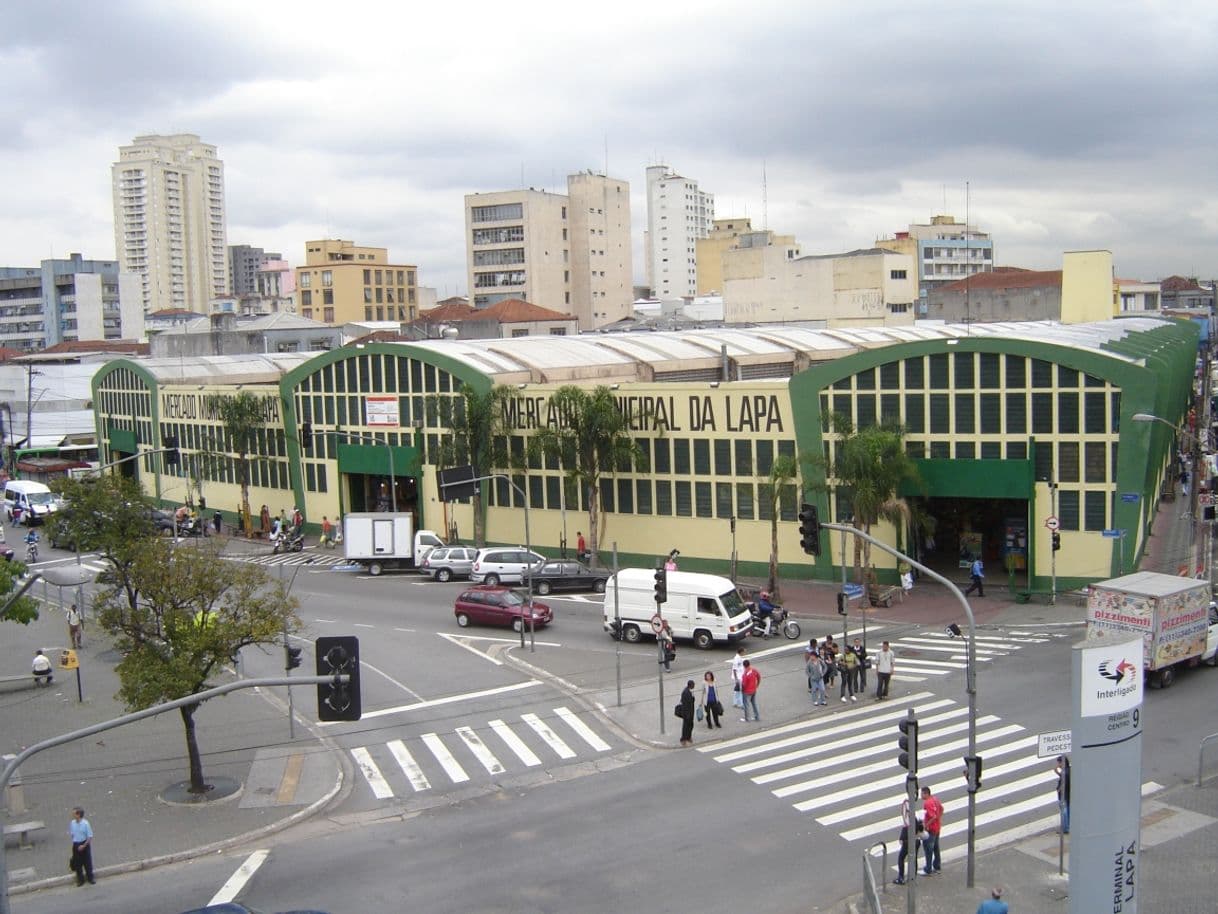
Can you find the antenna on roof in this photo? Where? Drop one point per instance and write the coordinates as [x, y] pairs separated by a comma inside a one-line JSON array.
[[968, 276], [765, 199]]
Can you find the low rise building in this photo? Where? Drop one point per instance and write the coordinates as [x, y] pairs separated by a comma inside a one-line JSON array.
[[342, 282], [1007, 294], [68, 300]]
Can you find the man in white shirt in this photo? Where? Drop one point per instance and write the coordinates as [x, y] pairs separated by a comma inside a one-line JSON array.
[[885, 664], [737, 676], [42, 668]]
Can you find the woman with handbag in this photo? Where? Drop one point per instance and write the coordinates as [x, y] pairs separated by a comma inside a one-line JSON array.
[[710, 701]]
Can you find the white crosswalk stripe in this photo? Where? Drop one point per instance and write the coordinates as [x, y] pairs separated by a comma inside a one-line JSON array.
[[841, 768], [924, 654], [440, 758], [314, 559]]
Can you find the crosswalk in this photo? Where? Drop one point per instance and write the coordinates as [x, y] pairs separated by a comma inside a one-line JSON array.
[[497, 749], [313, 559], [923, 655], [842, 769]]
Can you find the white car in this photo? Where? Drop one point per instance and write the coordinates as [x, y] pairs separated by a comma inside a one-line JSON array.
[[503, 564], [447, 562]]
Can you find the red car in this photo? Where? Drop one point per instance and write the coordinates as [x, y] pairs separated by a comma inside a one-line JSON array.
[[499, 606]]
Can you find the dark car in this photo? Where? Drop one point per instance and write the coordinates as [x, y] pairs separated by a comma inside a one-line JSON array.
[[489, 605], [562, 575]]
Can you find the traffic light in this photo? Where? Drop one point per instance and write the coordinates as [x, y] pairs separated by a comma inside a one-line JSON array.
[[1057, 541], [809, 529], [908, 741], [306, 435], [172, 456], [841, 603], [972, 772], [337, 656], [291, 657], [661, 585]]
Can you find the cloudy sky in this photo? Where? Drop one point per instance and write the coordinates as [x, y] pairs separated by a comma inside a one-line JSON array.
[[1076, 126]]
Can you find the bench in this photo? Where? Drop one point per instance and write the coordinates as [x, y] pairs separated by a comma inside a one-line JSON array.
[[26, 679], [23, 829]]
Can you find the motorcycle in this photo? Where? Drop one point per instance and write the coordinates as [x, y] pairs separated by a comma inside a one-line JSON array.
[[292, 541], [780, 622]]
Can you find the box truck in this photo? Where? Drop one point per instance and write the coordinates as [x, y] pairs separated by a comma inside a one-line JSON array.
[[382, 540], [704, 608], [1174, 617]]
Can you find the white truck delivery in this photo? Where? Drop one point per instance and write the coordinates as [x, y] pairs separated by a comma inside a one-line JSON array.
[[381, 540], [1174, 616], [704, 608]]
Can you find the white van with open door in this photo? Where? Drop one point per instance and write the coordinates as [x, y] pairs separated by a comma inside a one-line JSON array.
[[31, 501], [703, 608]]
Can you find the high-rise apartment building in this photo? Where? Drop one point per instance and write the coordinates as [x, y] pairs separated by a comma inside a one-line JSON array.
[[244, 264], [569, 252], [169, 220], [678, 214], [341, 282], [945, 251], [66, 301]]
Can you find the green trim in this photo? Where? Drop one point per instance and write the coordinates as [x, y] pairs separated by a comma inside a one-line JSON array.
[[972, 478], [374, 460], [121, 439], [154, 412]]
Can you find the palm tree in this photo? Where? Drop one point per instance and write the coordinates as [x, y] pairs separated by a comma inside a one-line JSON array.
[[242, 417], [777, 488], [592, 438], [475, 419]]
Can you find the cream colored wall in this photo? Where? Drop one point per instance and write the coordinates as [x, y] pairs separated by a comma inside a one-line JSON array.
[[1087, 286]]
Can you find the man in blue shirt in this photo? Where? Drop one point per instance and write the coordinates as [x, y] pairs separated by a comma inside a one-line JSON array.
[[994, 904], [82, 846], [765, 610], [977, 572]]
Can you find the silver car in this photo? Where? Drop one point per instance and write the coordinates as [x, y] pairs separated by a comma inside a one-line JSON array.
[[503, 564], [447, 562]]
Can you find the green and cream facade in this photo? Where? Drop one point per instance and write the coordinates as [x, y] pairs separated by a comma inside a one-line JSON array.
[[995, 411]]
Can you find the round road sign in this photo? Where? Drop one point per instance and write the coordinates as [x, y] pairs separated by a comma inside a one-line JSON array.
[[657, 623], [1051, 522]]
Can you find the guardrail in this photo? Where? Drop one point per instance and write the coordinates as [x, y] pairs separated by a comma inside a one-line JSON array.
[[869, 889], [1201, 754]]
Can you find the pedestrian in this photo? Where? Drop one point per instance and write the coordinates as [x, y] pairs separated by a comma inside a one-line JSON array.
[[264, 522], [847, 668], [581, 547], [669, 646], [82, 846], [749, 682], [1063, 791], [932, 819], [815, 668], [670, 564], [737, 676], [830, 657], [860, 673], [904, 873], [994, 904], [327, 531], [885, 665], [283, 521], [710, 701], [297, 520], [687, 713], [74, 629], [977, 572], [42, 668]]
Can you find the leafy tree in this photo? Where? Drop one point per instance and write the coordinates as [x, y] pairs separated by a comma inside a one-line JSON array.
[[777, 489], [476, 421], [242, 416], [869, 467], [591, 438], [195, 611], [13, 608]]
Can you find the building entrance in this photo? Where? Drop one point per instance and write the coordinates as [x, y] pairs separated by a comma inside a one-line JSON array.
[[996, 530], [373, 492]]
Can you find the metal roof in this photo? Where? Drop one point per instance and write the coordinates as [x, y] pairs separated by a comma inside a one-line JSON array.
[[253, 368]]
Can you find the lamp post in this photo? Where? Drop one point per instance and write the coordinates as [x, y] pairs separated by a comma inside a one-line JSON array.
[[1194, 448]]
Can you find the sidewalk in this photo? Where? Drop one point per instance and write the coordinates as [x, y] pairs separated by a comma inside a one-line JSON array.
[[117, 776]]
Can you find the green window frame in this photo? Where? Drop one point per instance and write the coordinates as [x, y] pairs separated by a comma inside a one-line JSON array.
[[963, 365], [1042, 414], [966, 420], [1095, 416], [642, 496], [745, 503], [939, 415], [1095, 462], [1068, 462], [684, 499], [938, 371], [1067, 510], [702, 461], [890, 376], [990, 371], [915, 413], [703, 504], [723, 500], [1067, 412], [991, 414], [680, 456], [664, 498], [744, 457], [915, 373], [723, 457], [1095, 511]]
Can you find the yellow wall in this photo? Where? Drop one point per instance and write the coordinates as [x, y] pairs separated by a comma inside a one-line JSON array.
[[1086, 286]]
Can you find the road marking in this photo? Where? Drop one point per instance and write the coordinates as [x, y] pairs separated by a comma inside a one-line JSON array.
[[929, 644], [403, 629], [364, 665], [326, 621], [552, 738], [480, 751], [447, 700], [459, 642], [236, 882], [450, 765], [290, 780], [362, 625], [504, 640], [409, 766], [515, 743], [372, 774], [582, 729]]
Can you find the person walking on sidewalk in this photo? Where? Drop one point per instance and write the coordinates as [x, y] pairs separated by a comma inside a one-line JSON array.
[[994, 904], [903, 872], [74, 629], [816, 676], [848, 668], [885, 665], [750, 681], [737, 676], [860, 672], [687, 714], [710, 701], [81, 833], [1063, 791], [977, 572], [670, 646], [932, 819]]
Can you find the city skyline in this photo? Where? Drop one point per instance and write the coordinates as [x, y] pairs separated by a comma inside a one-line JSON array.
[[810, 125]]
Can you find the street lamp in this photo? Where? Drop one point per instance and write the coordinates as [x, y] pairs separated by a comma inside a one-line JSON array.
[[1193, 443]]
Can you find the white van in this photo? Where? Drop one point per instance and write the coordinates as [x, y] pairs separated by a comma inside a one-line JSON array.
[[34, 500], [702, 607]]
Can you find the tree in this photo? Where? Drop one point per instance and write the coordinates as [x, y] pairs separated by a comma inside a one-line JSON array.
[[591, 438], [242, 416], [15, 608], [475, 419], [195, 611], [870, 466], [778, 488]]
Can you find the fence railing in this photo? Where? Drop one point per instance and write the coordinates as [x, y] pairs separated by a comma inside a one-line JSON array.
[[1201, 754], [870, 891]]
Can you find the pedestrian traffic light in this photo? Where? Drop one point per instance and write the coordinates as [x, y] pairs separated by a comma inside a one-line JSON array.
[[291, 657], [1057, 541], [841, 603], [908, 741], [809, 529], [972, 772], [173, 457], [661, 585], [338, 656], [306, 435]]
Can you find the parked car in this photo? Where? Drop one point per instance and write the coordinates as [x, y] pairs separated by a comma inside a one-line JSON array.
[[565, 575], [490, 605], [503, 564], [444, 563]]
